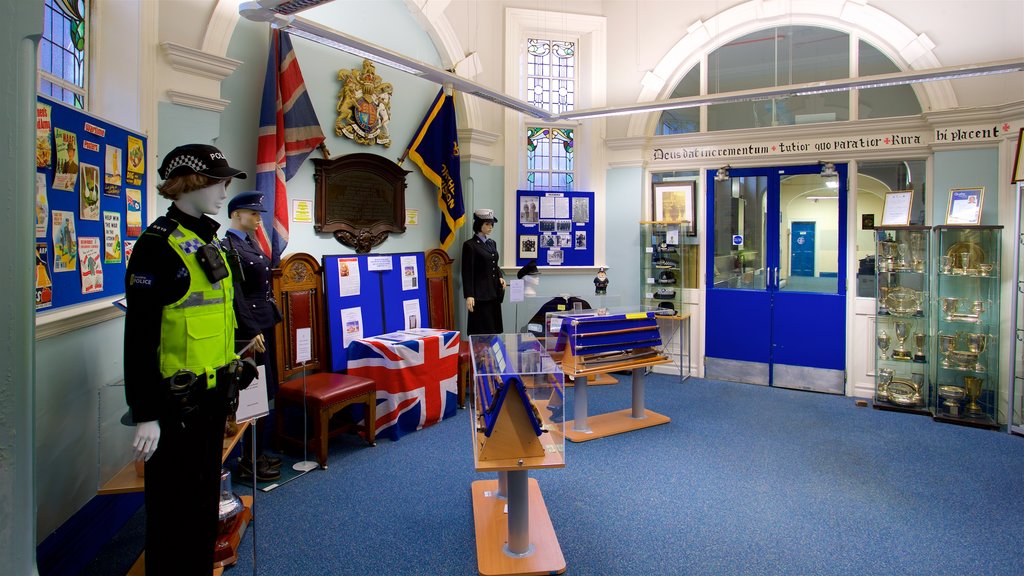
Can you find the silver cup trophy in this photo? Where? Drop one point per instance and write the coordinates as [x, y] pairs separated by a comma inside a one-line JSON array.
[[901, 353], [920, 339]]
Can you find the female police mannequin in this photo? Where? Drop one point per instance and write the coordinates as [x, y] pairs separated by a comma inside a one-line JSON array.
[[483, 282], [178, 344]]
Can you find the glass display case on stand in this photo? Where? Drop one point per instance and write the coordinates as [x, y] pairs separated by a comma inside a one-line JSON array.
[[1015, 413], [661, 267], [902, 322], [967, 310]]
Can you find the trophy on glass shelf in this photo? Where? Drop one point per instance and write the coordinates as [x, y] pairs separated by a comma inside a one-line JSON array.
[[972, 386], [883, 341], [965, 261], [976, 343], [901, 353], [951, 397], [977, 309], [949, 307], [919, 341], [916, 253], [947, 264], [885, 376], [947, 342]]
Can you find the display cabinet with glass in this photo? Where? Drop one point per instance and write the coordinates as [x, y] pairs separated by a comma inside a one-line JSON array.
[[902, 323], [967, 320], [662, 266], [1015, 409]]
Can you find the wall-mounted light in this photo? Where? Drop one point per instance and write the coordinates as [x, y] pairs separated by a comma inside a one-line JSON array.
[[722, 174], [828, 170]]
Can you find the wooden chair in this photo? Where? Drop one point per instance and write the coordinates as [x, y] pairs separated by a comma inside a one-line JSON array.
[[298, 288], [440, 309]]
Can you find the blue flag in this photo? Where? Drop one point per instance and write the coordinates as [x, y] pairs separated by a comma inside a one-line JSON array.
[[435, 149]]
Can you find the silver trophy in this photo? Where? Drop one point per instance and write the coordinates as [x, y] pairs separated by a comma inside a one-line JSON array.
[[976, 344], [901, 353], [947, 342], [885, 376], [919, 341], [949, 307]]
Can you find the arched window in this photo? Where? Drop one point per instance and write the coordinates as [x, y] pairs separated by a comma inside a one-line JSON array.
[[781, 56]]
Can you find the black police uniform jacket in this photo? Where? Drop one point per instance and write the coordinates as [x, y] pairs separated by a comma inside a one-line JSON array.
[[481, 276]]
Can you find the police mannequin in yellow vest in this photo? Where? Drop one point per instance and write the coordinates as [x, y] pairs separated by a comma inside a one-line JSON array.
[[179, 354]]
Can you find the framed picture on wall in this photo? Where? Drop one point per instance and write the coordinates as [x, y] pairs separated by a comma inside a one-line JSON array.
[[528, 246], [965, 206], [1018, 161], [673, 202], [896, 209]]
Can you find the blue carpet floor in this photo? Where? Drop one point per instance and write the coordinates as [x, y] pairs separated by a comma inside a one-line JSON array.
[[744, 480]]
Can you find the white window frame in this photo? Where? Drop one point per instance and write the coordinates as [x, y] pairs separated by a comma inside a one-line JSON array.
[[83, 91], [590, 35]]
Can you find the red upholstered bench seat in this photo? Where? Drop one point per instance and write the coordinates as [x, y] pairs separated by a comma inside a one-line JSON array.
[[324, 389]]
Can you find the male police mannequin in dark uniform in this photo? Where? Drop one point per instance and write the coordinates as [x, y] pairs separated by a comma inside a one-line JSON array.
[[483, 282], [257, 314], [178, 342]]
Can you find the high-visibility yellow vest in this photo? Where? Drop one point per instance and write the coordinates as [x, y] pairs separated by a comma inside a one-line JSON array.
[[197, 332]]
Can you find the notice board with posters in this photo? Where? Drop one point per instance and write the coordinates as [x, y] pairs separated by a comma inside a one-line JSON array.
[[555, 227], [89, 204], [372, 294]]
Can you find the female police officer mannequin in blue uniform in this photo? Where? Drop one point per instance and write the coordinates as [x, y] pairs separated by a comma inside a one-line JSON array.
[[179, 329], [483, 282]]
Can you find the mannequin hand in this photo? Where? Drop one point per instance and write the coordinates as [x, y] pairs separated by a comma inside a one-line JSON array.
[[147, 436], [258, 344], [470, 302], [503, 284]]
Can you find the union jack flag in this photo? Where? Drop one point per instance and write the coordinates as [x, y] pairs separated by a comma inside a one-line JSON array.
[[416, 378], [289, 131]]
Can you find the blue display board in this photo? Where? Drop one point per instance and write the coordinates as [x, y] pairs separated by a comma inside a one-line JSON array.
[[556, 228], [371, 294], [90, 200]]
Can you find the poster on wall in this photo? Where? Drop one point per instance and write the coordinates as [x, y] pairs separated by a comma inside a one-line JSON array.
[[89, 193], [66, 174], [896, 208], [44, 283], [112, 171], [92, 268], [133, 214], [528, 210], [65, 241], [136, 161], [44, 154], [410, 275], [111, 237], [42, 206], [129, 245]]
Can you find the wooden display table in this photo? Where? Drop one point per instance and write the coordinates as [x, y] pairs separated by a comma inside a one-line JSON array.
[[127, 480]]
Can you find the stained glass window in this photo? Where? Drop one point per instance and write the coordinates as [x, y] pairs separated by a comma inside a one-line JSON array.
[[549, 158], [551, 74], [62, 51]]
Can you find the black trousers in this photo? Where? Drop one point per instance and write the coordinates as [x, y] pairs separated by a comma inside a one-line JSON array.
[[485, 318], [183, 491]]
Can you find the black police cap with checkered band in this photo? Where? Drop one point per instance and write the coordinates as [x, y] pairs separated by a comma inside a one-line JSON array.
[[199, 159]]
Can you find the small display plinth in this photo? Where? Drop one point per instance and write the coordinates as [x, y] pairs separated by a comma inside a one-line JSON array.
[[612, 423], [492, 534]]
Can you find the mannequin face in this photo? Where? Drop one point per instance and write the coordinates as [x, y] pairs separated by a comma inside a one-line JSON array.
[[486, 228], [206, 200], [245, 220]]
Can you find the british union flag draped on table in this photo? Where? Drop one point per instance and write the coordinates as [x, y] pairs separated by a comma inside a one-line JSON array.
[[416, 377]]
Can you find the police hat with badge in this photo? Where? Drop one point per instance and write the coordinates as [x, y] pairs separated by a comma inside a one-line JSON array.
[[482, 216], [247, 201], [198, 159]]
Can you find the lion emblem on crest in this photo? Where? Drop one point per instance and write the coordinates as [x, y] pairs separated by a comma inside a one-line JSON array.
[[364, 106]]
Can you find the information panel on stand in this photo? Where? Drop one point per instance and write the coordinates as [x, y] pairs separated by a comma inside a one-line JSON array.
[[371, 294]]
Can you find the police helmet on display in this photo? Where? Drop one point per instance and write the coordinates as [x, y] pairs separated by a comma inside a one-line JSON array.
[[529, 270], [484, 215], [666, 277]]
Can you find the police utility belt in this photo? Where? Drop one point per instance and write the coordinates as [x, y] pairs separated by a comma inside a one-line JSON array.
[[186, 388]]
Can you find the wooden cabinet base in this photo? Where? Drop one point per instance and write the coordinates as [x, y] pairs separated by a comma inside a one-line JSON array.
[[612, 423], [491, 524]]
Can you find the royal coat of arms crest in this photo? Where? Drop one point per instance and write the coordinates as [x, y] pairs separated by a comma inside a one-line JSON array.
[[364, 106]]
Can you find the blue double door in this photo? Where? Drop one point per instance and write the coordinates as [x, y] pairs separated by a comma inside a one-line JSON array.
[[776, 296]]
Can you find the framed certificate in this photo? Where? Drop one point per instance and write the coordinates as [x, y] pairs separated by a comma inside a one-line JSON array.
[[965, 206], [896, 210]]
